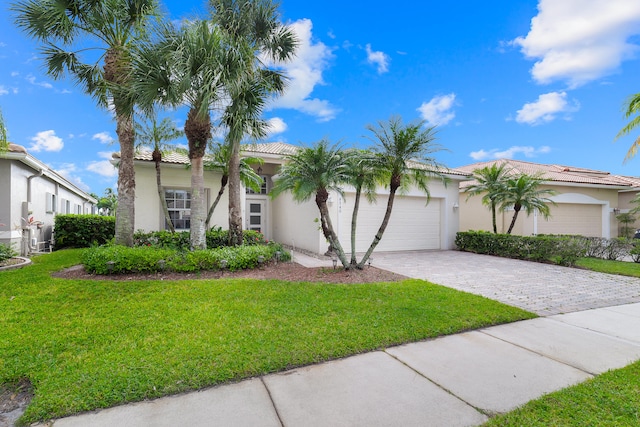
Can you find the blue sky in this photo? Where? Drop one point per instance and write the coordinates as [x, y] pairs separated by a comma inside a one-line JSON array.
[[541, 81]]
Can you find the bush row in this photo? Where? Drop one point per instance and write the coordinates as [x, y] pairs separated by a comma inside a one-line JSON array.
[[216, 238], [560, 249], [82, 231], [115, 259]]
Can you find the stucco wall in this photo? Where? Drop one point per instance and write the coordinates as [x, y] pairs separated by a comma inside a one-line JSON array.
[[293, 224], [149, 216]]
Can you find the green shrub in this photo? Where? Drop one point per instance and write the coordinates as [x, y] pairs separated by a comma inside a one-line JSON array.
[[6, 252], [216, 238], [617, 248], [121, 259], [83, 231], [563, 250]]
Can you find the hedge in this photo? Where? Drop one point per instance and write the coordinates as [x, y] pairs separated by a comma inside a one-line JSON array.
[[83, 231]]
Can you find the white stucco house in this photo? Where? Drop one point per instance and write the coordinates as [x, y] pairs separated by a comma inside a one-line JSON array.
[[31, 195], [414, 224]]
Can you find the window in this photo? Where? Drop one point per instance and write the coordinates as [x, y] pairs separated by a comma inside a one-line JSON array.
[[65, 206], [179, 205], [51, 202], [263, 188], [77, 209]]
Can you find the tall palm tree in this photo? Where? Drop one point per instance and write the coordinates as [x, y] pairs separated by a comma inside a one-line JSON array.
[[364, 175], [67, 30], [188, 67], [405, 157], [157, 135], [254, 31], [632, 107], [314, 172], [524, 192], [490, 181], [219, 161]]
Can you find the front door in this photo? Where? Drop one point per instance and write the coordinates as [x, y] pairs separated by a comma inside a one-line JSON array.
[[256, 217]]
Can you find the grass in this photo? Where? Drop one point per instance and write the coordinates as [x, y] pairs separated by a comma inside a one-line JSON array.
[[610, 399], [608, 266], [93, 344]]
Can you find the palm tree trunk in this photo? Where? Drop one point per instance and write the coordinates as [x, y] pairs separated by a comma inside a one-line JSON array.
[[383, 227], [163, 201], [235, 199], [329, 233], [125, 209], [354, 219], [198, 204], [513, 220], [493, 217], [223, 184]]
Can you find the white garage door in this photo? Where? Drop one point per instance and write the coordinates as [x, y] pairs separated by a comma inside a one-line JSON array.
[[413, 225], [573, 218]]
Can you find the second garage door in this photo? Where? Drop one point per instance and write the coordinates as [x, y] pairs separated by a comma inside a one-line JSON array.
[[573, 218], [413, 225]]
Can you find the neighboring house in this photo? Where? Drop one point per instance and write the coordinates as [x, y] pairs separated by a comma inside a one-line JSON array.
[[586, 202], [626, 196], [414, 224], [30, 197]]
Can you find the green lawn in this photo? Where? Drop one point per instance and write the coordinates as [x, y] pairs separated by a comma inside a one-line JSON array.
[[94, 344], [613, 267], [610, 399]]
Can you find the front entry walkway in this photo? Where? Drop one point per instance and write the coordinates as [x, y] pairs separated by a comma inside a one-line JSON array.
[[540, 288]]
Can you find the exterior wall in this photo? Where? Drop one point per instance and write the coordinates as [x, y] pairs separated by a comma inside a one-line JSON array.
[[149, 216], [293, 224], [624, 204], [475, 216]]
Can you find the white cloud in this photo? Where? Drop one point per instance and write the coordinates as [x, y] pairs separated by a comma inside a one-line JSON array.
[[31, 79], [580, 40], [438, 111], [305, 72], [3, 90], [275, 126], [103, 137], [378, 58], [103, 167], [509, 153], [46, 141], [546, 108]]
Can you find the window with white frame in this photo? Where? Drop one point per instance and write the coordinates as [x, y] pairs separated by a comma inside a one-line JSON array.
[[179, 206], [77, 209], [51, 202]]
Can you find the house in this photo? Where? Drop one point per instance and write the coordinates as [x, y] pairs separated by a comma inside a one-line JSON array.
[[414, 224], [30, 197], [586, 201]]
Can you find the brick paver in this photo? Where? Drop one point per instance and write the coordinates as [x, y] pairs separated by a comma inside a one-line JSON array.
[[541, 288]]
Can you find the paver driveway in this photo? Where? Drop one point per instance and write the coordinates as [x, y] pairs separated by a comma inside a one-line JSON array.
[[541, 288]]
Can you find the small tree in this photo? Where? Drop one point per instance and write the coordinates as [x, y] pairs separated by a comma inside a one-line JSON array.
[[314, 171], [490, 181], [157, 135], [4, 139], [626, 219], [524, 192]]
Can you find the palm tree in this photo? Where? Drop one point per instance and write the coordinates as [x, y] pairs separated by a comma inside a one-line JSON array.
[[315, 171], [404, 156], [490, 181], [524, 191], [219, 161], [4, 140], [254, 31], [632, 107], [157, 135], [187, 67], [364, 175], [67, 30]]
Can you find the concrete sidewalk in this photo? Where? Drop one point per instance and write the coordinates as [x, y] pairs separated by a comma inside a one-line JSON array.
[[457, 380]]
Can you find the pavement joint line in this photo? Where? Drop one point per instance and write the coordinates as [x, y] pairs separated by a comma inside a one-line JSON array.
[[592, 374], [273, 403], [440, 386]]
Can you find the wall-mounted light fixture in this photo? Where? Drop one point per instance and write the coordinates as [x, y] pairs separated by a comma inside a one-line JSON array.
[[616, 211], [455, 206], [259, 170]]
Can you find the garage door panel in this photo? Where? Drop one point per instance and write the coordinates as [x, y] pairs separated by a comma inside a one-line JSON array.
[[573, 218], [413, 225]]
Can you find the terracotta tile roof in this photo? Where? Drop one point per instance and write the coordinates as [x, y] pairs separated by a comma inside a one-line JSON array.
[[278, 148], [556, 173]]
